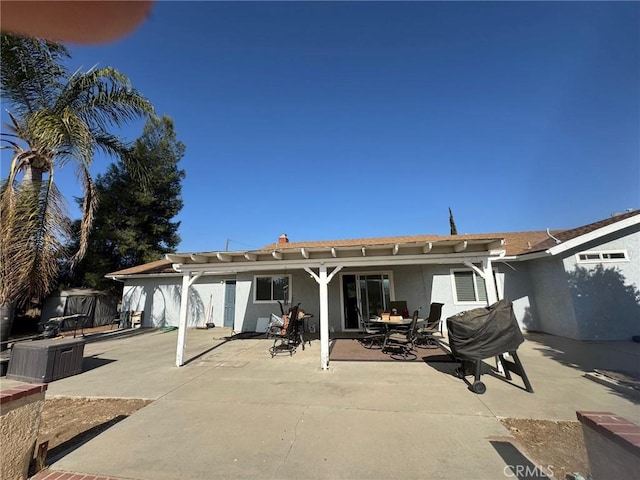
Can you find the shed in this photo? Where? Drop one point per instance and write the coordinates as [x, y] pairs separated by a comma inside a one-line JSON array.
[[100, 307]]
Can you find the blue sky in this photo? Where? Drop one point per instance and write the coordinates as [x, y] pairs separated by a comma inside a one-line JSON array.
[[337, 120]]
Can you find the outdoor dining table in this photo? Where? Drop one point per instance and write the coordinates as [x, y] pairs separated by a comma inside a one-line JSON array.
[[389, 324]]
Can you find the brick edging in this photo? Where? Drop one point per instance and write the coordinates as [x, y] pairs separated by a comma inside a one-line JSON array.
[[614, 427], [21, 391]]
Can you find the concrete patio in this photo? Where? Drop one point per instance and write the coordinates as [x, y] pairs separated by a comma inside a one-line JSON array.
[[234, 412]]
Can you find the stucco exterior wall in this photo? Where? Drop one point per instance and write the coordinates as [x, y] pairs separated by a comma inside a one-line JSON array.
[[514, 284], [19, 425], [552, 298], [159, 298], [606, 295], [412, 283]]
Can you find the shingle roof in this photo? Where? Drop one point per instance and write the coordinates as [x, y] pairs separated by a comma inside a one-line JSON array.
[[564, 235], [159, 266], [516, 243]]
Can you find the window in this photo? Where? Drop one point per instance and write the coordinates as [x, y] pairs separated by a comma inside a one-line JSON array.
[[268, 288], [469, 286], [602, 256]]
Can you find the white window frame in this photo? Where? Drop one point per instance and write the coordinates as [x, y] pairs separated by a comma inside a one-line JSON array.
[[274, 275], [602, 256], [358, 274], [454, 290]]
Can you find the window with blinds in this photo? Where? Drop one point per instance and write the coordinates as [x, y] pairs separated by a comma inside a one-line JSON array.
[[469, 287]]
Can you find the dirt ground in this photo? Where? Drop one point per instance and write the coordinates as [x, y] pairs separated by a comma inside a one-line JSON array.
[[70, 421], [549, 443]]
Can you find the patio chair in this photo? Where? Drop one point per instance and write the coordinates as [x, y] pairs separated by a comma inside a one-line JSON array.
[[373, 332], [401, 337], [286, 336], [432, 325]]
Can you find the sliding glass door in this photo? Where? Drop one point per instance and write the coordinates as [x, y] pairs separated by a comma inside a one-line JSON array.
[[364, 295]]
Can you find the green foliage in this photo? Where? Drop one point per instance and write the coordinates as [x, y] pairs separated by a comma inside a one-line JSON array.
[[452, 223], [133, 223], [56, 119]]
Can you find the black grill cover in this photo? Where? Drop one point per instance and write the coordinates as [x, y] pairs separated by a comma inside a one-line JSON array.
[[484, 332]]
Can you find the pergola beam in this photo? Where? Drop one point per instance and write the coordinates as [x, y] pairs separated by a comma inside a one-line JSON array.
[[459, 247], [223, 257]]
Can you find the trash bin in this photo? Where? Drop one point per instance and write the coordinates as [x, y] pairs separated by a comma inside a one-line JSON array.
[[44, 361]]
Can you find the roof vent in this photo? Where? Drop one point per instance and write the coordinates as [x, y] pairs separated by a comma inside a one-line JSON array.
[[283, 238]]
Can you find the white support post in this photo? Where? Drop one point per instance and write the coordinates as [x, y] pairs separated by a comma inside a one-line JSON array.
[[487, 275], [323, 281], [187, 281], [489, 282], [324, 318], [182, 323], [492, 296]]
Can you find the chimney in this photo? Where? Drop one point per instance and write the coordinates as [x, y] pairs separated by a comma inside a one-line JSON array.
[[283, 239]]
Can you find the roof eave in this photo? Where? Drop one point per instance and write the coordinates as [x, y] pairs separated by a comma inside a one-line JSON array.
[[594, 235]]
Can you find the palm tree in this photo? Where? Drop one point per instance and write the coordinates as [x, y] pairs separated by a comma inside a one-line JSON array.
[[56, 119]]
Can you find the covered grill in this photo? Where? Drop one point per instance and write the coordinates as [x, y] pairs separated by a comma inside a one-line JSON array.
[[484, 333]]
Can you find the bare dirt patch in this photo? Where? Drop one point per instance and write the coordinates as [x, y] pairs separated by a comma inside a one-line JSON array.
[[70, 421], [552, 443]]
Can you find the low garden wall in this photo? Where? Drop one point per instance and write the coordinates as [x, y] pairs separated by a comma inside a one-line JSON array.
[[613, 445], [20, 410]]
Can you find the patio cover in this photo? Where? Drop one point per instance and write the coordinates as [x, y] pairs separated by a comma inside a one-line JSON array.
[[324, 260]]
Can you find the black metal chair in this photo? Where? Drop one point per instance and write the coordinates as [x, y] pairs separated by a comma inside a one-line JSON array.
[[374, 333], [401, 337], [286, 335], [432, 325]]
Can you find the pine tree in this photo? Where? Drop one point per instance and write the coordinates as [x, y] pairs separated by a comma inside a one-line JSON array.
[[452, 223], [133, 223]]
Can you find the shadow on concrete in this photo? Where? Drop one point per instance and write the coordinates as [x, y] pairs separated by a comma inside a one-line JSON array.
[[118, 334], [93, 362], [73, 443], [516, 464], [237, 336], [588, 356], [203, 353]]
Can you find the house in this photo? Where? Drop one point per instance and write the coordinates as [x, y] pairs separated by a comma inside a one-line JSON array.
[[581, 283]]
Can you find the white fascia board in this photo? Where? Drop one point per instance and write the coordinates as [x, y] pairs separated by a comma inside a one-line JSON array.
[[600, 232], [264, 265], [528, 256], [142, 275]]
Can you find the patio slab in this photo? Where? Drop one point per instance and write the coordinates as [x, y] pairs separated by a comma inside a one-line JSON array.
[[235, 412]]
